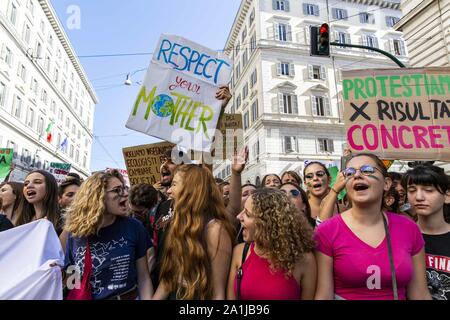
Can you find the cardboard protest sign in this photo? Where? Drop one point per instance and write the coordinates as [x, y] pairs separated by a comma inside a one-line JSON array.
[[177, 101], [398, 113], [59, 170], [231, 138], [143, 162], [6, 157]]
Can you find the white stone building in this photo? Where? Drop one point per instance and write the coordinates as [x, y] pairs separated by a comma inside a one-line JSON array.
[[290, 101], [42, 82]]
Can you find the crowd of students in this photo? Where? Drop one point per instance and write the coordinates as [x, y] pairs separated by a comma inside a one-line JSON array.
[[194, 237]]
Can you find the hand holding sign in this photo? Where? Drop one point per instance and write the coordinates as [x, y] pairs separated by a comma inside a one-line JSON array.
[[223, 94]]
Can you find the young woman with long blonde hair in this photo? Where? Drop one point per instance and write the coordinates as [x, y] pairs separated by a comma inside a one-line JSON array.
[[199, 242], [97, 220]]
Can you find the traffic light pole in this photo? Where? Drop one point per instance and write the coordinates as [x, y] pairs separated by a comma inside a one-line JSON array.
[[387, 54]]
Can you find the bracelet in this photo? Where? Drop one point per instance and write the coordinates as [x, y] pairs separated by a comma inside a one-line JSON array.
[[334, 190]]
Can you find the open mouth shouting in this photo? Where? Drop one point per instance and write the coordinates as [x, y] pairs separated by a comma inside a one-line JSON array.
[[123, 204], [31, 194], [360, 186]]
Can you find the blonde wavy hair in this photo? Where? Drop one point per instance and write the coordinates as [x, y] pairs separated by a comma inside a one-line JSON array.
[[85, 215], [282, 234], [186, 266]]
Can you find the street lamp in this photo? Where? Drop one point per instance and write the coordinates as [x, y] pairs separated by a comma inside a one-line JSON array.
[[128, 81]]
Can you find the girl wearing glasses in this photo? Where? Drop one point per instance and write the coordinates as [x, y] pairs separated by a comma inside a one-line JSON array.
[[299, 199], [279, 264], [366, 253], [40, 191], [97, 219], [199, 241], [317, 180]]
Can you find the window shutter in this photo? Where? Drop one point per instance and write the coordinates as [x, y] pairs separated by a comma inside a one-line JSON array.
[[310, 71], [361, 17], [347, 38], [335, 36], [314, 105], [286, 6], [274, 4], [345, 14], [321, 145], [402, 48], [391, 45], [330, 145], [326, 101], [280, 103], [305, 9], [316, 10], [270, 33], [364, 40], [276, 31], [388, 21], [375, 42], [307, 35], [288, 32], [278, 68], [292, 70], [323, 73], [294, 104], [334, 13]]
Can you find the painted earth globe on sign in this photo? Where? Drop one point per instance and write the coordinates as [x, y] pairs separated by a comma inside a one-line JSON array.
[[163, 106]]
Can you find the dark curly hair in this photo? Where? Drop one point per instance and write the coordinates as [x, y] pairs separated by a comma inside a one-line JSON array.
[[143, 195]]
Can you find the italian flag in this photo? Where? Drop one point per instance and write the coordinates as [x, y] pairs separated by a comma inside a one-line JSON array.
[[49, 132]]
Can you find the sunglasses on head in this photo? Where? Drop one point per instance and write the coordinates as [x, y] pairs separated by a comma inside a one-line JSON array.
[[294, 193], [319, 174], [366, 170]]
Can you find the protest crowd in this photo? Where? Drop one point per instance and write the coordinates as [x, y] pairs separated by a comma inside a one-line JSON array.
[[191, 236]]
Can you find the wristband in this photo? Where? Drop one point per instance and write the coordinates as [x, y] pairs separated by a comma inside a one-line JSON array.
[[334, 190]]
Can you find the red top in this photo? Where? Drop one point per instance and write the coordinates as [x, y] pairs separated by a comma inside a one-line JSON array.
[[259, 282]]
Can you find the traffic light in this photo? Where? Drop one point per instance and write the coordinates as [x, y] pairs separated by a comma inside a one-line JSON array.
[[320, 40]]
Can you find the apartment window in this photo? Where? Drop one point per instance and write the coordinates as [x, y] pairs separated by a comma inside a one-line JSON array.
[[245, 91], [56, 76], [77, 156], [290, 144], [398, 47], [50, 40], [365, 17], [369, 40], [310, 9], [40, 127], [2, 94], [339, 14], [317, 72], [63, 86], [30, 118], [81, 109], [6, 55], [17, 107], [254, 109], [26, 156], [13, 14], [391, 21], [42, 27], [244, 58], [246, 121], [238, 71], [26, 34], [60, 115], [255, 150], [283, 32], [287, 103], [285, 69], [47, 63], [253, 78], [280, 5], [71, 151], [38, 50], [34, 86], [84, 161], [238, 101], [58, 140], [325, 145], [320, 106], [253, 43], [67, 123], [343, 37], [79, 135], [53, 106], [44, 96], [76, 104], [22, 72], [30, 6], [251, 18], [65, 66], [244, 34], [12, 145], [70, 95], [237, 48]]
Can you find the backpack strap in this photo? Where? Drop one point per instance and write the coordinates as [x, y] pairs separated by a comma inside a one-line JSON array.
[[391, 258], [240, 272]]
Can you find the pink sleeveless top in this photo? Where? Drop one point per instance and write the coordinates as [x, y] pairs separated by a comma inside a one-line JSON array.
[[259, 282]]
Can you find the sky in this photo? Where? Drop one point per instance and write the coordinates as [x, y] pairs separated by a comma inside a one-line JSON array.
[[133, 26]]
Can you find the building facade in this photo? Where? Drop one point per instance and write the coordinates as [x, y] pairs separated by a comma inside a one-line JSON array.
[[290, 101], [46, 100], [426, 29]]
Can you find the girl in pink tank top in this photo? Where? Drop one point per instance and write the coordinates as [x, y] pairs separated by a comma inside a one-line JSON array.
[[279, 264]]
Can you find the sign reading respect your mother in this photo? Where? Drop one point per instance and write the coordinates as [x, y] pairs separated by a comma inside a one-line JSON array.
[[398, 113], [177, 100]]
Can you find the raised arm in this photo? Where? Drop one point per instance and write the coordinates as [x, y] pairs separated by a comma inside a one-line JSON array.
[[328, 204], [238, 165]]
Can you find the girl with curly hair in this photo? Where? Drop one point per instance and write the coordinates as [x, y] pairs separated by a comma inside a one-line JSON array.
[[199, 242], [280, 264], [97, 220]]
